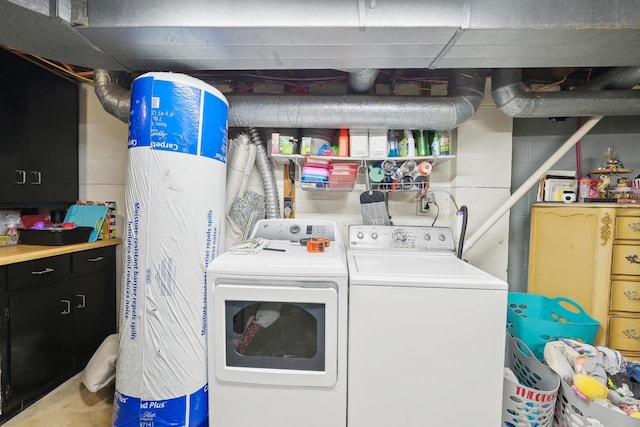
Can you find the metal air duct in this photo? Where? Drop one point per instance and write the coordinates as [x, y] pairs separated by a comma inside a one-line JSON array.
[[113, 92], [466, 92], [361, 81], [510, 97]]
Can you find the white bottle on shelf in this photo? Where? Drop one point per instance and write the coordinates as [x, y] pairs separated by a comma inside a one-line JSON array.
[[411, 143]]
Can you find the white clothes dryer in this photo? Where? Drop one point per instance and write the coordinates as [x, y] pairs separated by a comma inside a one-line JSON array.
[[277, 328], [426, 331]]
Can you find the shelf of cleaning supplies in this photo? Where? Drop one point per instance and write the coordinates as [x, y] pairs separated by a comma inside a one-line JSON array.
[[298, 158], [417, 181]]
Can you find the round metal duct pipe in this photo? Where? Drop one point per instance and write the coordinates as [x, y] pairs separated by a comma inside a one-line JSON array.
[[510, 97], [466, 92]]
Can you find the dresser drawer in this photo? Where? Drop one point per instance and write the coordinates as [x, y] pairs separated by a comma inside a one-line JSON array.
[[625, 260], [92, 260], [628, 227], [29, 273], [624, 333], [625, 296]]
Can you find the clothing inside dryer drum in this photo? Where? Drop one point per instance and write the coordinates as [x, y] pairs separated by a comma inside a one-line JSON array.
[[275, 330]]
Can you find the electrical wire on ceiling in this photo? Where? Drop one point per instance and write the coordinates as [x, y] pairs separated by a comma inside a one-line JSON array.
[[295, 85], [60, 68], [243, 82]]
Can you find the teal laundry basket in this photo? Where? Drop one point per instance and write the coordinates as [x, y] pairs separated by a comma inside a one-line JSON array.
[[537, 319]]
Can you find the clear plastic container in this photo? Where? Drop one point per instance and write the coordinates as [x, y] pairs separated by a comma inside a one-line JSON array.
[[584, 189]]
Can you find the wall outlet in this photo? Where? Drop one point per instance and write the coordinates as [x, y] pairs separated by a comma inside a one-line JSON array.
[[423, 206]]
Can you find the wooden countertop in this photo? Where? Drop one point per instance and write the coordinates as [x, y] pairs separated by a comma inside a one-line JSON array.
[[20, 253]]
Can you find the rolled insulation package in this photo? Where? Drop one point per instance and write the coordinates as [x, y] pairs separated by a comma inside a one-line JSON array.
[[175, 211]]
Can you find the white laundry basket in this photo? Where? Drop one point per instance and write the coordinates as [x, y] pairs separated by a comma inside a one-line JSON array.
[[571, 411], [531, 401]]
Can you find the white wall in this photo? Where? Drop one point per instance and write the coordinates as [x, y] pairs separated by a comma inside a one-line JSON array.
[[102, 151], [479, 177]]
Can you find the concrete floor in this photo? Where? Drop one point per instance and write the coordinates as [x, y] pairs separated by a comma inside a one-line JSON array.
[[69, 405]]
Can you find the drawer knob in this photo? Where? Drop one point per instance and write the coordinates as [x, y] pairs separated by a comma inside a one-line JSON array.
[[635, 226], [633, 259], [631, 333], [632, 295]]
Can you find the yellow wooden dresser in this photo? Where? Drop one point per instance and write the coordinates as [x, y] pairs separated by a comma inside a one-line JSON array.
[[590, 253]]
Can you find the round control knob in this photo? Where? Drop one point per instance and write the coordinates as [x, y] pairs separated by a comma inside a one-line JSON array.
[[442, 237], [360, 235], [427, 237], [374, 235], [399, 236], [295, 228]]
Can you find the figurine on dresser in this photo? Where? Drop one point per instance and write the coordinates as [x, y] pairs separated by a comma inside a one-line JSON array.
[[603, 185]]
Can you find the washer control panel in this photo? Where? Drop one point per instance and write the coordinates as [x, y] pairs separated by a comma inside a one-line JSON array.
[[413, 238]]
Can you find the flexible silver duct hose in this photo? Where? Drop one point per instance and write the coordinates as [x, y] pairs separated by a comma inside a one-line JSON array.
[[466, 92], [510, 97], [361, 81], [113, 92], [266, 172], [616, 78]]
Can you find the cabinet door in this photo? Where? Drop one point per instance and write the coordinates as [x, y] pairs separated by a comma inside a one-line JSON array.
[[39, 138], [95, 300], [94, 316], [53, 137], [41, 341]]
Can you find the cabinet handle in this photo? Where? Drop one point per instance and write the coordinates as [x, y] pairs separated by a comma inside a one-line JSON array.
[[36, 177], [633, 259], [67, 307], [632, 295], [631, 333], [21, 176], [45, 271], [635, 226], [81, 301], [96, 259]]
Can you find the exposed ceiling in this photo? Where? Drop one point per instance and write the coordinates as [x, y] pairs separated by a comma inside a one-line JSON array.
[[245, 45], [328, 34]]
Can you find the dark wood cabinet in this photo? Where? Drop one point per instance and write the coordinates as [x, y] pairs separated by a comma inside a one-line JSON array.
[[94, 296], [58, 310], [39, 114], [40, 350]]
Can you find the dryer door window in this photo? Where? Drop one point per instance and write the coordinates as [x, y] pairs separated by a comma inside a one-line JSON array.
[[275, 335], [282, 335]]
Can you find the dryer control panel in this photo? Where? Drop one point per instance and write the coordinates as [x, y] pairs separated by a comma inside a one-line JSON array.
[[412, 238], [295, 229]]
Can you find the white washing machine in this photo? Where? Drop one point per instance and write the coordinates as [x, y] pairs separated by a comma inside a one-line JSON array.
[[426, 332], [277, 328]]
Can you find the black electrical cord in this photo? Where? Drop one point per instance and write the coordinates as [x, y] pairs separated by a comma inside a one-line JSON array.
[[465, 213]]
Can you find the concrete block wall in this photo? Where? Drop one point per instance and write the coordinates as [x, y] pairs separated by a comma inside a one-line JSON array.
[[479, 177], [534, 141]]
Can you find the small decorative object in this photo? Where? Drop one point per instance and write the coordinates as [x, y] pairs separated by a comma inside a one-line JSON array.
[[613, 166], [623, 183], [603, 185]]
